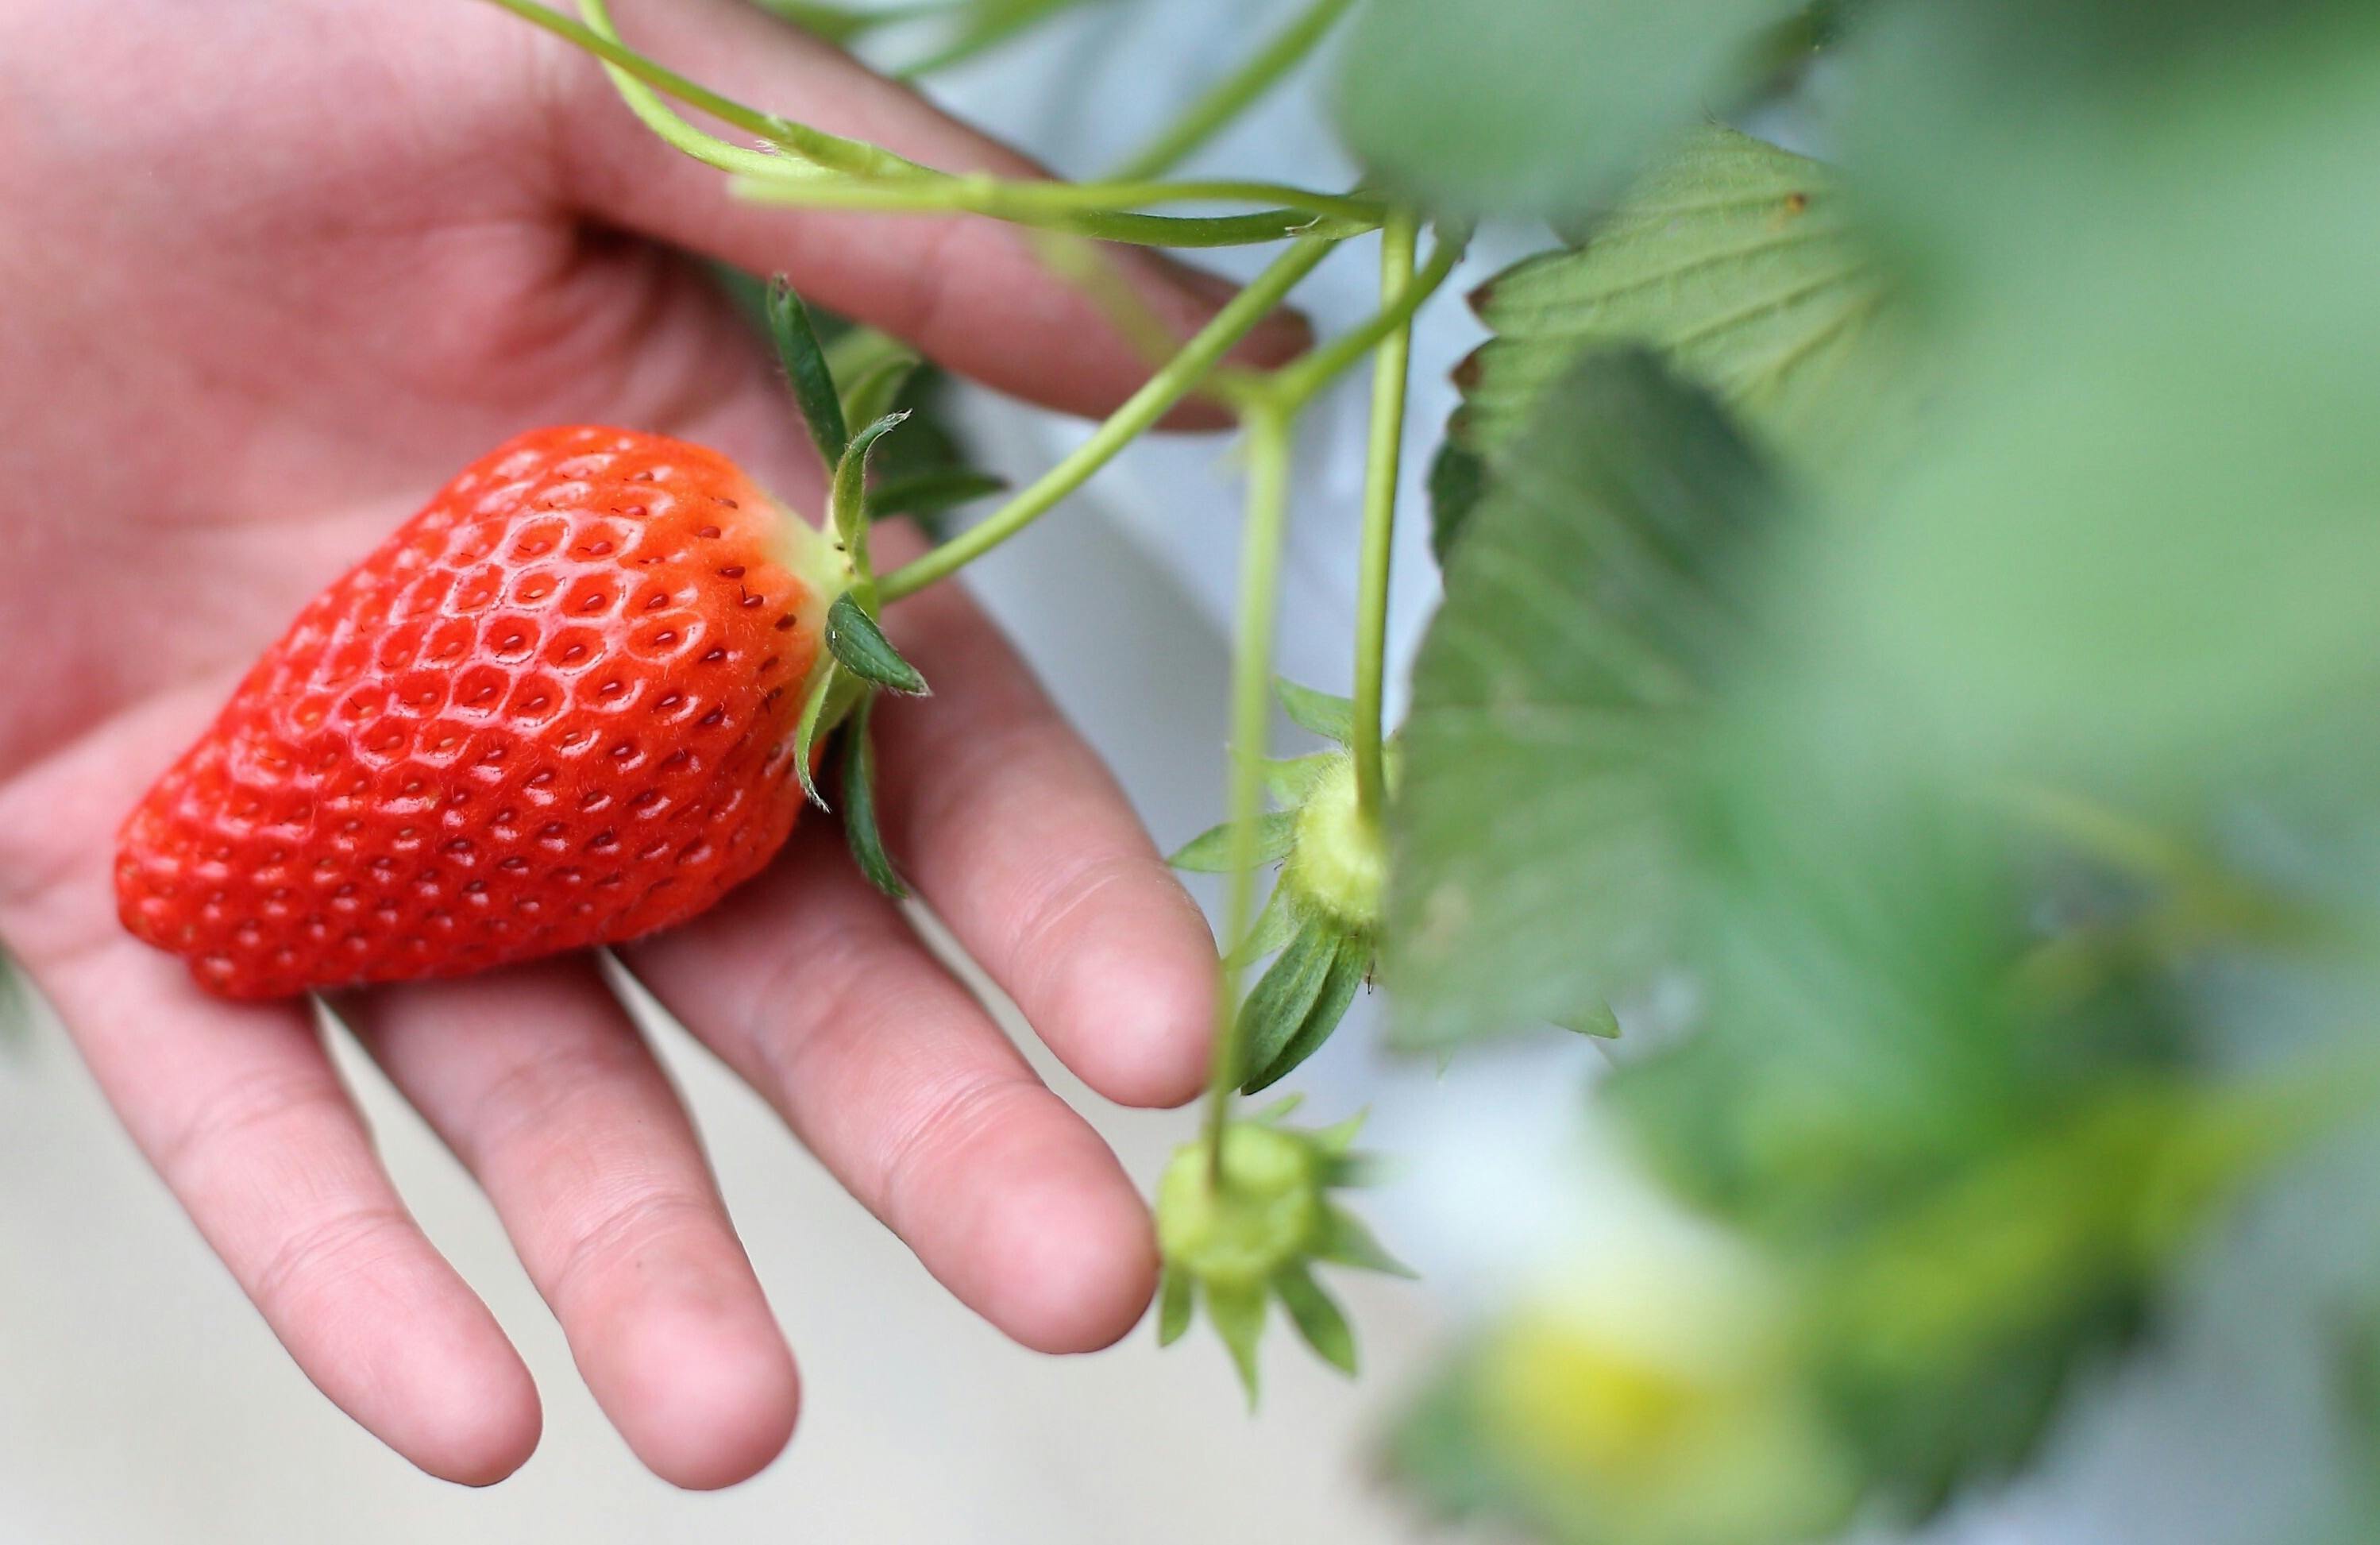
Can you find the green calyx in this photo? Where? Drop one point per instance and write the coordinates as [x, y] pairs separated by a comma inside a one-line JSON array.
[[858, 661], [1338, 861], [1241, 1225]]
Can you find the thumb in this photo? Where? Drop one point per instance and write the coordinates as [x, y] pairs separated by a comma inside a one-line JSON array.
[[968, 292]]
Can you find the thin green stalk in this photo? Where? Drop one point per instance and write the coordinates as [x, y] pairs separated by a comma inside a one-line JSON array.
[[875, 179], [1270, 439], [1384, 459], [1107, 211], [1227, 98], [854, 157], [673, 130], [1178, 379], [1296, 383]]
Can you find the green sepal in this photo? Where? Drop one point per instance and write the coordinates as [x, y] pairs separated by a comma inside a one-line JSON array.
[[1279, 1110], [847, 503], [1345, 1241], [1597, 1019], [859, 646], [877, 386], [1284, 996], [1238, 1311], [1318, 1317], [1177, 1293], [806, 371], [832, 697], [859, 804], [1348, 1170], [926, 495], [1290, 779], [1331, 718], [1336, 1138], [1275, 925], [1210, 851], [1320, 972]]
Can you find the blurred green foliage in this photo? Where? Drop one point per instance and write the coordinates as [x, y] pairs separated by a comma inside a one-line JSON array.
[[1953, 652], [1537, 106]]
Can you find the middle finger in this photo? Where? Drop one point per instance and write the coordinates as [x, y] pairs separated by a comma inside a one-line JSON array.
[[816, 990]]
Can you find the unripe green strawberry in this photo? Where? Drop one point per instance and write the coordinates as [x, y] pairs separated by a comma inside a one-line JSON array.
[[555, 710]]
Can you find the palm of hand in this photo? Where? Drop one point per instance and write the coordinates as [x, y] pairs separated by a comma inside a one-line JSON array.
[[271, 319]]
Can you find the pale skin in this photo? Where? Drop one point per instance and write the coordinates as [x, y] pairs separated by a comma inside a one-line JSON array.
[[276, 269]]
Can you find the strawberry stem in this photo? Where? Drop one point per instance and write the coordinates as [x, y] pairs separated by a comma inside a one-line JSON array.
[[1300, 380], [1178, 378], [1104, 211], [872, 177], [1384, 457], [1272, 431]]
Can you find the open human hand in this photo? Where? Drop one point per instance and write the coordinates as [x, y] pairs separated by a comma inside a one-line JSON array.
[[278, 268]]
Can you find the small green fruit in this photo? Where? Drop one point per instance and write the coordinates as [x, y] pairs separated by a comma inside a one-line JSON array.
[[1340, 863], [1265, 1212]]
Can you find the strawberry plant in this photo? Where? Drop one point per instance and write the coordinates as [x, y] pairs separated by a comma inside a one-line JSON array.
[[1910, 605]]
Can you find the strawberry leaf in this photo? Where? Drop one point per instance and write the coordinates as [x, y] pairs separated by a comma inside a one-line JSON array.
[[1456, 477], [804, 359], [1210, 851], [1176, 1297], [1330, 717], [931, 493], [1534, 106], [1740, 263], [1594, 606], [1238, 1311], [859, 804], [1317, 1317], [1347, 1241], [860, 647]]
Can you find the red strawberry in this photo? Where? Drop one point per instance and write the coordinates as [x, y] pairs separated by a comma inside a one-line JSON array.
[[556, 709]]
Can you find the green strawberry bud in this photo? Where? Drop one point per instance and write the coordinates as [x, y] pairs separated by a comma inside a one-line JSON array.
[[1340, 861], [1264, 1212]]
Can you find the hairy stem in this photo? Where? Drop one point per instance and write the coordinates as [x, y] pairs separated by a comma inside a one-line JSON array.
[[833, 151], [1294, 384], [1384, 459], [875, 179], [1180, 376], [1270, 440], [1227, 98], [673, 130], [1108, 211]]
